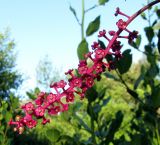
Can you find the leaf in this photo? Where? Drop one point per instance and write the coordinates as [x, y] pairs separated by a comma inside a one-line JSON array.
[[125, 62], [114, 126], [81, 122], [53, 134], [158, 13], [156, 26], [93, 26], [102, 45], [106, 101], [102, 2], [111, 76], [91, 94], [74, 12], [82, 49], [156, 96], [143, 15], [137, 43], [102, 93], [8, 116], [31, 95], [149, 33], [140, 78]]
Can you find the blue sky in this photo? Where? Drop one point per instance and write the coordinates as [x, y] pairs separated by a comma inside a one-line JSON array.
[[48, 27]]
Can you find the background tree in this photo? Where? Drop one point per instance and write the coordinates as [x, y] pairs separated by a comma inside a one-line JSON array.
[[46, 73], [10, 80]]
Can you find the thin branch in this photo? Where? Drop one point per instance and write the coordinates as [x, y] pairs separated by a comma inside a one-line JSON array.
[[91, 8], [74, 13], [146, 53]]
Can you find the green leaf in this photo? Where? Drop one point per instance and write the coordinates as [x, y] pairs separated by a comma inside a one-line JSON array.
[[156, 26], [106, 101], [149, 33], [102, 2], [125, 62], [8, 116], [140, 78], [156, 96], [114, 126], [111, 76], [31, 95], [158, 13], [143, 15], [74, 12], [82, 49], [102, 45], [91, 94], [81, 122], [53, 134], [93, 26], [137, 43], [102, 93]]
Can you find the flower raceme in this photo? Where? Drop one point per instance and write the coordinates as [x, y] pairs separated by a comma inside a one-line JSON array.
[[78, 83]]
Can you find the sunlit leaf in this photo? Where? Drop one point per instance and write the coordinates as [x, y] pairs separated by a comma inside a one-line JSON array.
[[82, 49], [93, 26], [102, 2], [53, 134], [125, 62]]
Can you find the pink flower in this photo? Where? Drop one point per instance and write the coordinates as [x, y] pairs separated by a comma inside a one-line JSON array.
[[102, 33], [121, 24], [28, 107], [82, 67], [61, 84], [99, 53], [70, 97], [54, 110], [31, 123], [39, 111], [51, 98], [64, 107], [45, 121], [89, 81], [76, 82], [95, 45]]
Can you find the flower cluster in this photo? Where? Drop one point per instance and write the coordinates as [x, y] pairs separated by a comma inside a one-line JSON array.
[[89, 69]]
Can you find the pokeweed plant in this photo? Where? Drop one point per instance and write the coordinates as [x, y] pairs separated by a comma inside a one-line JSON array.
[[81, 79]]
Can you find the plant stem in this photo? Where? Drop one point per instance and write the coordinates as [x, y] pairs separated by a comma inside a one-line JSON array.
[[92, 125], [82, 23], [128, 22]]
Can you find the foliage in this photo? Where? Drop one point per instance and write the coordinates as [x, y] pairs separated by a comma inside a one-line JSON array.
[[10, 80], [7, 67]]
